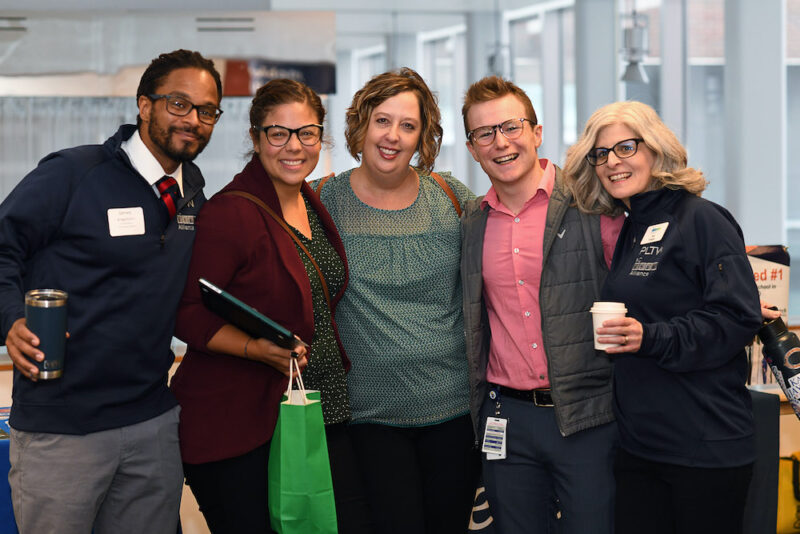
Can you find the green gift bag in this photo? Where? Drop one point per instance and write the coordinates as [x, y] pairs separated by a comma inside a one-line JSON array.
[[300, 487]]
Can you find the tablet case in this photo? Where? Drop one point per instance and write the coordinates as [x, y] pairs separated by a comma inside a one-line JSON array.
[[245, 317]]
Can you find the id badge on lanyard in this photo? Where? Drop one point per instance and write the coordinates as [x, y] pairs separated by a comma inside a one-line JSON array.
[[494, 435]]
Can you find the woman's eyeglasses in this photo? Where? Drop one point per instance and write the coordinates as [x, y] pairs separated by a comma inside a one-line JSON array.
[[623, 149]]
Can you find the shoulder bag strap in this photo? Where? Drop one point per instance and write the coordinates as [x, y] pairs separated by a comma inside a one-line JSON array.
[[439, 180], [289, 231], [322, 182], [445, 187]]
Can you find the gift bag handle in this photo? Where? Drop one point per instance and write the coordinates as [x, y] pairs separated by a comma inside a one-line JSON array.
[[295, 366]]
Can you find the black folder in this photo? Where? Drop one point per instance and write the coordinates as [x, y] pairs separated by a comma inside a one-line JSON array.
[[245, 317]]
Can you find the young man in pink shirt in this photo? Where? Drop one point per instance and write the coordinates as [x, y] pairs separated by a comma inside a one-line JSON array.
[[532, 265]]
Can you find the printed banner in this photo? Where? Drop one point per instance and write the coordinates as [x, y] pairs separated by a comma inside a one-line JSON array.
[[771, 271], [243, 77]]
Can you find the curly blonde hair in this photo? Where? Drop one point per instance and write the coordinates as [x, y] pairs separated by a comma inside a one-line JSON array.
[[669, 168], [379, 89]]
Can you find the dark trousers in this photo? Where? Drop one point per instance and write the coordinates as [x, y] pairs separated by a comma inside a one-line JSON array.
[[352, 510], [418, 480], [545, 473], [660, 498], [232, 493]]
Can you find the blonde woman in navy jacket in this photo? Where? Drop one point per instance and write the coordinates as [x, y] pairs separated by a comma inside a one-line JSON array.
[[683, 412]]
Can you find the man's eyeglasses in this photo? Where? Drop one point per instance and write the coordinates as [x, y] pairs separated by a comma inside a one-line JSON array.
[[309, 135], [623, 149], [511, 129], [177, 105]]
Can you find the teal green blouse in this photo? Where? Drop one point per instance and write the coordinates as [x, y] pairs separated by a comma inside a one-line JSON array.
[[400, 319]]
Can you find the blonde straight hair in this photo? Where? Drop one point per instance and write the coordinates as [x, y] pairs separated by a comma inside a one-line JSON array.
[[669, 168]]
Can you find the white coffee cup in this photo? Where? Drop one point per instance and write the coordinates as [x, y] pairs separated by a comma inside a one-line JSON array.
[[603, 311]]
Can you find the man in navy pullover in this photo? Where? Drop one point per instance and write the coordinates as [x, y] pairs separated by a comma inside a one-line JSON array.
[[97, 449]]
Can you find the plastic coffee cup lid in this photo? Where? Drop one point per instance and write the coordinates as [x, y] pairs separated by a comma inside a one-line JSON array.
[[608, 307]]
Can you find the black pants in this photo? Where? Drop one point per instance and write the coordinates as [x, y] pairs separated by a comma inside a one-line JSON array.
[[659, 498], [232, 493], [352, 511], [419, 480]]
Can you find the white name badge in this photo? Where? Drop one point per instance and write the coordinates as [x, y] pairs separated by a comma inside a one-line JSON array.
[[654, 233], [125, 221], [494, 438]]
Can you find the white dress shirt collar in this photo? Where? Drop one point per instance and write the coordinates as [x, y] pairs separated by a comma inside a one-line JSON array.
[[146, 163]]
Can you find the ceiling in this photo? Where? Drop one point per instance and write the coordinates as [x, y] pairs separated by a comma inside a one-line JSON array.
[[105, 36]]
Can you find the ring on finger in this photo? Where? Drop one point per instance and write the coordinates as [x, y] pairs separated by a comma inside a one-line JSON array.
[[624, 340]]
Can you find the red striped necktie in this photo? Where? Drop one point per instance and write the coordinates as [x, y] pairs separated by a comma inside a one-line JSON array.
[[170, 194]]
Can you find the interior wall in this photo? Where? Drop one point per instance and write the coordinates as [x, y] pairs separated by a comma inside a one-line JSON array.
[[103, 42]]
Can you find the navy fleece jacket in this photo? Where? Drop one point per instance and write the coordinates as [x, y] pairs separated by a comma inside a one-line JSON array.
[[55, 232], [681, 399]]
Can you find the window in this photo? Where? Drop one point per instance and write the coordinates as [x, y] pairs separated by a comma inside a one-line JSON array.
[[542, 53], [650, 92], [444, 70], [367, 63], [569, 115], [705, 93], [526, 59], [793, 147]]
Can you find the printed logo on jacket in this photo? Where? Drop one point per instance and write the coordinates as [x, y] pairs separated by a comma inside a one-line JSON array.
[[185, 222], [648, 258]]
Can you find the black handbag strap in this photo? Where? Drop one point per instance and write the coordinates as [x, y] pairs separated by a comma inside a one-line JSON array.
[[289, 231]]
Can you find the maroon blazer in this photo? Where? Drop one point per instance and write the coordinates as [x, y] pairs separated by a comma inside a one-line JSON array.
[[229, 405]]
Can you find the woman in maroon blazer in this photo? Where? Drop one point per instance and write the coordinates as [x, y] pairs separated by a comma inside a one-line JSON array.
[[229, 384]]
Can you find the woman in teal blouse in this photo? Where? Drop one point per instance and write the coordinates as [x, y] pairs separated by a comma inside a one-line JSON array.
[[400, 320]]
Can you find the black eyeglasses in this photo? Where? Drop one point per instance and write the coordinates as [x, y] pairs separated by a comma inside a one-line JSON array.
[[177, 105], [623, 149], [511, 129], [308, 135]]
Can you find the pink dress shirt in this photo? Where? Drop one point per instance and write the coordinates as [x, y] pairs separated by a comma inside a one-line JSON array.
[[512, 271]]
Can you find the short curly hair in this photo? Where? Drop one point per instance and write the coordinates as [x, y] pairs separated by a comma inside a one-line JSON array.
[[669, 167], [379, 89]]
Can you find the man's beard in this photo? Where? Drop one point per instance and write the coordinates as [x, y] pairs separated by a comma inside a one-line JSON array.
[[177, 151]]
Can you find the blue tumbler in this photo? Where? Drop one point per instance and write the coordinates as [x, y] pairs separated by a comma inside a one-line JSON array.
[[46, 316]]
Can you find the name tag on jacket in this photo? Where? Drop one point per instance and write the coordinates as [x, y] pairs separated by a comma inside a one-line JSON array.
[[125, 221]]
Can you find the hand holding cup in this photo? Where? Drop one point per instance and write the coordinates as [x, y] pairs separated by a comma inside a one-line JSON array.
[[41, 336], [613, 331]]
